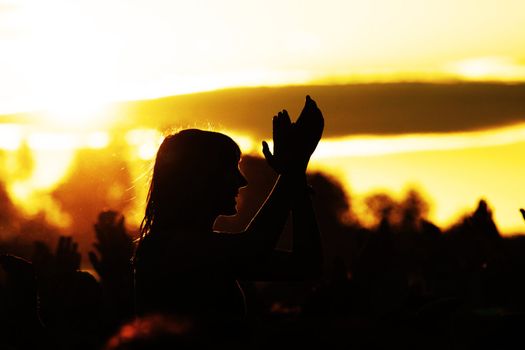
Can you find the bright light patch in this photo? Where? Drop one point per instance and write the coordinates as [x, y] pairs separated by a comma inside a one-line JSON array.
[[10, 136], [357, 146], [145, 142], [97, 140], [49, 167], [65, 55], [52, 141], [488, 68], [51, 154], [33, 194], [246, 143], [455, 170], [147, 151], [72, 112], [21, 192]]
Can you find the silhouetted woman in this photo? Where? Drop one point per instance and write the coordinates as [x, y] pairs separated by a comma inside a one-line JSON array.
[[182, 266]]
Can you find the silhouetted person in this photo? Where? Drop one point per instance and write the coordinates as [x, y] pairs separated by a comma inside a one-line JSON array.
[[182, 266], [71, 300], [159, 332], [22, 327], [112, 261]]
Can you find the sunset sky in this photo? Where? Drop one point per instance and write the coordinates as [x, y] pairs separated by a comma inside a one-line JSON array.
[[58, 53], [68, 59]]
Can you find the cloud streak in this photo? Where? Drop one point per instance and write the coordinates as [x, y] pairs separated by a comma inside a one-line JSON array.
[[379, 109], [377, 146]]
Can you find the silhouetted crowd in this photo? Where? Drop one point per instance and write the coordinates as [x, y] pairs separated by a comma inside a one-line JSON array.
[[405, 283]]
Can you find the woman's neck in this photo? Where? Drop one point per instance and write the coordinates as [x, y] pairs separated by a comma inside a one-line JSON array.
[[187, 223]]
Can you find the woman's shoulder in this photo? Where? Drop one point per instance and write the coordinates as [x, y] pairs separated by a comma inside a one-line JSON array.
[[173, 248]]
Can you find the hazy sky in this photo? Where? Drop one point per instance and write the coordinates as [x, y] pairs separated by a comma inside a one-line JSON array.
[[381, 109], [67, 56], [57, 54]]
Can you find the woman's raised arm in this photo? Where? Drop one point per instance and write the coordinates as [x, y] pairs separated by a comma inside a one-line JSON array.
[[294, 143]]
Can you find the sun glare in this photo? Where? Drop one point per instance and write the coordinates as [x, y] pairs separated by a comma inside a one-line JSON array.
[[97, 140], [36, 161], [454, 170], [10, 136], [145, 142], [245, 142], [32, 194], [488, 68], [78, 114], [364, 146]]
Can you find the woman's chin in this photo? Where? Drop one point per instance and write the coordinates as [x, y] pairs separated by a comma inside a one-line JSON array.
[[229, 210]]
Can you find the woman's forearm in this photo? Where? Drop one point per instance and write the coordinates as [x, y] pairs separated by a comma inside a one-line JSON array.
[[307, 245], [267, 225]]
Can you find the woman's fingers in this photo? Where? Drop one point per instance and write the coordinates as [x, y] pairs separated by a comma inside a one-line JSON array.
[[286, 118], [310, 125], [293, 144], [266, 151], [270, 159]]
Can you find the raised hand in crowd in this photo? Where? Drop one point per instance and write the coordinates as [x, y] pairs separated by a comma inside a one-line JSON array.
[[113, 261], [63, 263], [67, 257], [114, 246]]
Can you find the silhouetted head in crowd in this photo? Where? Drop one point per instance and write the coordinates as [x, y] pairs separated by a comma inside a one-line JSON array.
[[156, 332], [196, 178]]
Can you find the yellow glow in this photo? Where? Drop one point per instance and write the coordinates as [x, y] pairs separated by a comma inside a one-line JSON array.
[[140, 136], [68, 58], [489, 68], [453, 170], [453, 180], [51, 153], [97, 140], [32, 203], [246, 143], [56, 141], [77, 113], [33, 194], [145, 141], [147, 151], [52, 141], [10, 136], [21, 192], [49, 168], [60, 55], [375, 145]]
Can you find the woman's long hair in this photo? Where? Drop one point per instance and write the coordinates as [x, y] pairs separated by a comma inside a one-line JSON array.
[[185, 165]]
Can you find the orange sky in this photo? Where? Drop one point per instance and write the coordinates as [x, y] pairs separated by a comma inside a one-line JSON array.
[[452, 170], [57, 54], [71, 57]]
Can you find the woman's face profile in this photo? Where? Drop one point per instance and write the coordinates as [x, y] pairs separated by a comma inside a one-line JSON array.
[[196, 174], [229, 180]]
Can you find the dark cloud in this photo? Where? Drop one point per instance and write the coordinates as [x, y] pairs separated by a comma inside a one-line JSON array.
[[392, 108], [349, 109]]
